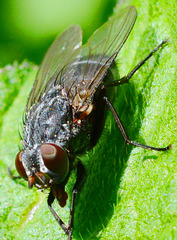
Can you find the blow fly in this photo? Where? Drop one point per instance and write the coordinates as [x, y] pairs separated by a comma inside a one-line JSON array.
[[66, 109]]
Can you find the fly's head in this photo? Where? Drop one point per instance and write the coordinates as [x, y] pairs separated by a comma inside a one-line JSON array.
[[44, 166]]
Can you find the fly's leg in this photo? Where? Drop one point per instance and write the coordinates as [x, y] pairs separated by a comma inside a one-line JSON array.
[[123, 132], [123, 80], [11, 174], [81, 174], [50, 200], [126, 79]]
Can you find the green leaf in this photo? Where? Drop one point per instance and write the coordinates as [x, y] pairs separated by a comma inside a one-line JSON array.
[[130, 193]]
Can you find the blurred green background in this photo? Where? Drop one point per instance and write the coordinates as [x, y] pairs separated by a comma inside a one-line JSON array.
[[28, 27]]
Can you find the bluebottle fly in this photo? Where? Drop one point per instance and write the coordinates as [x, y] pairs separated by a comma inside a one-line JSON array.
[[66, 109]]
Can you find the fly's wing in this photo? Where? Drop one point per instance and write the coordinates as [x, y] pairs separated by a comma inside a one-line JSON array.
[[105, 44], [65, 47], [100, 50]]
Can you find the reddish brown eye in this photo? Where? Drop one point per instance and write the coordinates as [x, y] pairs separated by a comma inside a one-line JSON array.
[[55, 158], [19, 166]]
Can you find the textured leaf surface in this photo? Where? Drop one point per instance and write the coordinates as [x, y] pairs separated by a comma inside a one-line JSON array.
[[130, 193]]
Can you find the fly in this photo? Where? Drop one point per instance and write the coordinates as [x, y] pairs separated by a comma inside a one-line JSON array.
[[66, 109]]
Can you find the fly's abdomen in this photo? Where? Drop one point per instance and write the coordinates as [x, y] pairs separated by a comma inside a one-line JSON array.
[[89, 111]]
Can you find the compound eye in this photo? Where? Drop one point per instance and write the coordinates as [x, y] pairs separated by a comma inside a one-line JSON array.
[[19, 165], [55, 158]]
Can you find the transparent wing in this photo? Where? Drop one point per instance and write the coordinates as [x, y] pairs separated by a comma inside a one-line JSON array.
[[105, 44], [87, 71], [58, 55]]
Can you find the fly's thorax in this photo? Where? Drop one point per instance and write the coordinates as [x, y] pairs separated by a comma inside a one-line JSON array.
[[49, 121]]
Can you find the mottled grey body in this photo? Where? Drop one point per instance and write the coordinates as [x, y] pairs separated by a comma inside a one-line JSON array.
[[54, 120], [49, 121]]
